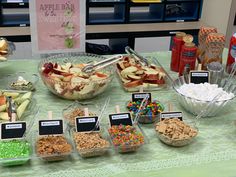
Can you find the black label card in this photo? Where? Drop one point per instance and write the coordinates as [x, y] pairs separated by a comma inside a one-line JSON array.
[[198, 77], [140, 96], [121, 118], [171, 115], [50, 127], [13, 130], [84, 124]]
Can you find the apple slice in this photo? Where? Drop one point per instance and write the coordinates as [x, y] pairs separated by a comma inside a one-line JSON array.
[[100, 74], [4, 116], [12, 94], [3, 100], [26, 96], [75, 70], [134, 83], [125, 80], [140, 72], [3, 58], [67, 78], [21, 109], [66, 67], [3, 44], [3, 107], [120, 65], [124, 73], [133, 77], [150, 71], [151, 77]]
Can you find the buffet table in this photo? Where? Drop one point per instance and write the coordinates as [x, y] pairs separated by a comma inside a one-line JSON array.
[[213, 153]]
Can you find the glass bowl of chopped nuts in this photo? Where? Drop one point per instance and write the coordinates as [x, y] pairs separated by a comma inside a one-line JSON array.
[[91, 144], [76, 109], [53, 147], [175, 132], [22, 81]]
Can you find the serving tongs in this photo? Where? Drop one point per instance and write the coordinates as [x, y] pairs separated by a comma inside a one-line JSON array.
[[90, 68], [138, 58]]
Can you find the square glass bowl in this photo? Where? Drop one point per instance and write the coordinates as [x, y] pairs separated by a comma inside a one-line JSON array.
[[92, 147], [76, 109], [16, 152], [32, 80], [129, 147]]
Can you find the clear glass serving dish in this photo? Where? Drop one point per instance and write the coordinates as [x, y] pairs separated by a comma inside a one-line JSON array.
[[62, 75], [20, 155], [76, 109], [53, 151], [133, 76], [93, 148], [126, 147], [145, 118], [25, 105], [15, 82], [177, 142], [195, 106]]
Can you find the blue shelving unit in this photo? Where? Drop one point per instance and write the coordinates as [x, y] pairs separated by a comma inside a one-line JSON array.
[[153, 13], [186, 11], [125, 11], [9, 18]]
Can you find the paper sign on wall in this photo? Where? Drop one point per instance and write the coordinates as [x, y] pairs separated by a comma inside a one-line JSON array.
[[57, 25]]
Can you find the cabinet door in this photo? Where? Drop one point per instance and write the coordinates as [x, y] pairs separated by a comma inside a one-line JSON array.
[[152, 44]]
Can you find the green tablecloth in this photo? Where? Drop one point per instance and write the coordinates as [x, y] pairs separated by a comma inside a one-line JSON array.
[[212, 154]]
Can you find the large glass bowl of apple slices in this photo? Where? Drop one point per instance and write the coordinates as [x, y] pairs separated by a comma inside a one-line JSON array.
[[63, 75]]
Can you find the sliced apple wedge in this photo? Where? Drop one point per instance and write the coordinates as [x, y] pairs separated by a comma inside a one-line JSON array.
[[134, 77], [140, 72], [133, 83], [120, 65], [4, 116], [21, 109], [3, 108], [26, 96], [124, 73], [12, 94]]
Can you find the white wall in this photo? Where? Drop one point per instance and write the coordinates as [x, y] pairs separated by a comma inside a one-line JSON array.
[[216, 13]]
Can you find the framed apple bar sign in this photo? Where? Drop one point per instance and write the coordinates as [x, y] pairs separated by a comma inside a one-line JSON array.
[[57, 26]]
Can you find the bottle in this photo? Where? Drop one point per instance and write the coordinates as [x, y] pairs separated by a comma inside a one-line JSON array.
[[215, 43], [176, 49], [232, 54], [188, 54]]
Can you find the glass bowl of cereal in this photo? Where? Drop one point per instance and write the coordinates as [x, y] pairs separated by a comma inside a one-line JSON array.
[[63, 75], [175, 132], [126, 138]]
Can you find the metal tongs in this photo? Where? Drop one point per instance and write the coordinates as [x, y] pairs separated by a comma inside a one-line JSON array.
[[12, 108], [90, 68], [138, 58]]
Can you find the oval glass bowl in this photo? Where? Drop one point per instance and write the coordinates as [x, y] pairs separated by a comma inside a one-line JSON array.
[[177, 142], [195, 106], [76, 89], [32, 78]]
